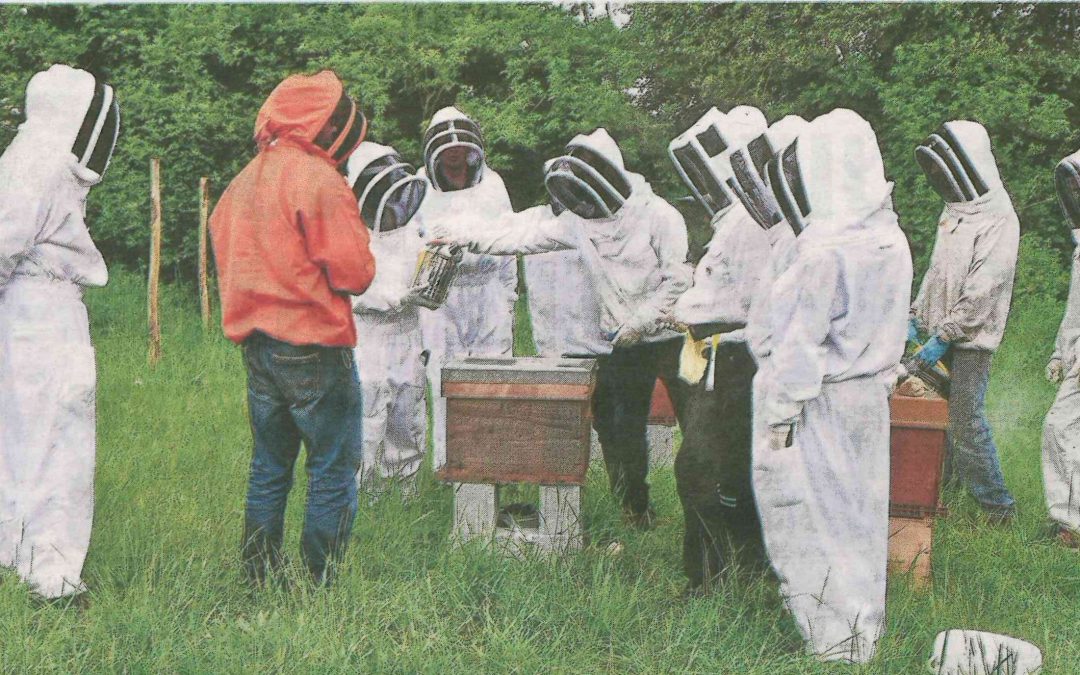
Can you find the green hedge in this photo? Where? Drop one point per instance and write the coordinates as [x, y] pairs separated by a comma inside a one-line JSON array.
[[191, 78]]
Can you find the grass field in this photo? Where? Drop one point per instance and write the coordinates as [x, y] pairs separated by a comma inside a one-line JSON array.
[[165, 585]]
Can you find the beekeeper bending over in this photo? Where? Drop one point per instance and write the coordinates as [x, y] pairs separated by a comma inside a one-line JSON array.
[[634, 245], [47, 373], [838, 316]]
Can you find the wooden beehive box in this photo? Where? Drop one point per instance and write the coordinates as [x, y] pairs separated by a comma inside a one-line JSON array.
[[917, 455], [511, 420]]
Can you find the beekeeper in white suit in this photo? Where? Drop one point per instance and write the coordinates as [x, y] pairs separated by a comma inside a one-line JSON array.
[[1061, 433], [389, 342], [563, 323], [712, 468], [839, 315], [634, 246], [47, 370], [477, 318], [964, 299]]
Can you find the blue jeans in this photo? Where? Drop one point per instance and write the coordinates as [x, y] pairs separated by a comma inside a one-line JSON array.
[[308, 393], [973, 457]]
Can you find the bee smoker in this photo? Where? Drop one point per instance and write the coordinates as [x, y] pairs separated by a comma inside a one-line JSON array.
[[435, 270]]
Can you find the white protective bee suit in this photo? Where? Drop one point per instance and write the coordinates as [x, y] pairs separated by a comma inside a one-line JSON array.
[[634, 246], [712, 468], [477, 318], [47, 369], [964, 297], [389, 342], [563, 305], [1061, 433], [839, 316]]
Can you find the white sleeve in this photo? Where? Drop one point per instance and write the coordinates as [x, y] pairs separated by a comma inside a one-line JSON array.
[[23, 212], [524, 233], [669, 242], [988, 276], [800, 325]]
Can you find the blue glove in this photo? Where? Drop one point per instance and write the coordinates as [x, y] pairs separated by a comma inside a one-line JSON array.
[[912, 330], [933, 350]]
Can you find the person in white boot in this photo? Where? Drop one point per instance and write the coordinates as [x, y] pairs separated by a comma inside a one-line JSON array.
[[838, 316], [47, 369]]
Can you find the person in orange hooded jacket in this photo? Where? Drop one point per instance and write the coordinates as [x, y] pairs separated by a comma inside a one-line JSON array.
[[290, 248]]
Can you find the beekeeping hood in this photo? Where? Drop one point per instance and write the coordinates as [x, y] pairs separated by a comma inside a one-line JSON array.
[[450, 128], [386, 187], [71, 111], [589, 178], [1067, 180], [302, 107], [60, 151], [702, 154], [959, 163], [748, 164], [832, 176]]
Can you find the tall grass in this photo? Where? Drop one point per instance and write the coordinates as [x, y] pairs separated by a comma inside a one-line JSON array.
[[166, 594]]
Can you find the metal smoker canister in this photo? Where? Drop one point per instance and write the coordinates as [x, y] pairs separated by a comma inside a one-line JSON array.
[[435, 270]]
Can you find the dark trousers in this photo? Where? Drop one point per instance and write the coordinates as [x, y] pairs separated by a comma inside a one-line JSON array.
[[972, 456], [309, 394], [624, 387], [713, 470]]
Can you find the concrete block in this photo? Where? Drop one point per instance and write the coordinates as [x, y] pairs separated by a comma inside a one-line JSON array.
[[475, 509]]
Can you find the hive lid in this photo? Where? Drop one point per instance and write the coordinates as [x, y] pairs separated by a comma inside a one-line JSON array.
[[520, 370]]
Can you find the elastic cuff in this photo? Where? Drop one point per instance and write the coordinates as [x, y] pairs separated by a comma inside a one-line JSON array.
[[951, 332]]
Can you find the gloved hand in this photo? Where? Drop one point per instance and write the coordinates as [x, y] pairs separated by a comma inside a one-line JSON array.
[[411, 297], [781, 436], [913, 330], [442, 233], [669, 322], [932, 351], [631, 332], [626, 336], [1055, 370]]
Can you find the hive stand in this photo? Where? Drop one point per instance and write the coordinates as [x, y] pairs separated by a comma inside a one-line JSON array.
[[476, 513]]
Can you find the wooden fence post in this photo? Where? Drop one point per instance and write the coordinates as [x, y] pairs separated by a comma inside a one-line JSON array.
[[155, 261], [204, 216]]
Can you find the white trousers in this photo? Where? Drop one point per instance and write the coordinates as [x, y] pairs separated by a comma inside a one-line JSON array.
[[1061, 455], [824, 506], [395, 413], [47, 444]]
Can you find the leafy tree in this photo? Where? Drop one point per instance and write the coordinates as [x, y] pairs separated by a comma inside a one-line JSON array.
[[906, 68], [190, 80]]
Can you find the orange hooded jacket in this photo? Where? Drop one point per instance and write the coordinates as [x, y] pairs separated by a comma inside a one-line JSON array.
[[288, 239]]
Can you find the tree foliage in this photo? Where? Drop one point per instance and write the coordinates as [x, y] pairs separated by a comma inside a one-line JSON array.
[[906, 68], [191, 78]]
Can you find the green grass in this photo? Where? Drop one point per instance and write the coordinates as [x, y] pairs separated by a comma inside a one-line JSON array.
[[165, 584]]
